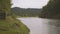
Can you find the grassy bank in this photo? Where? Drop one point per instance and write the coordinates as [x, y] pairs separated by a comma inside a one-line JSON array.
[[13, 26]]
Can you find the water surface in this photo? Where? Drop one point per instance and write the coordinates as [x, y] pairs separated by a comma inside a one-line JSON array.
[[41, 26]]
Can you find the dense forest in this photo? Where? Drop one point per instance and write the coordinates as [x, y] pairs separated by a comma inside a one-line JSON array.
[[51, 10], [29, 12]]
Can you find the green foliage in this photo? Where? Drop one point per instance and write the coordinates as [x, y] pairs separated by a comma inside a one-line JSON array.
[[30, 12], [10, 25], [13, 26], [5, 5], [51, 10]]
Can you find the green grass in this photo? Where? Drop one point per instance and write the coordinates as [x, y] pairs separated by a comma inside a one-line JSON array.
[[13, 26]]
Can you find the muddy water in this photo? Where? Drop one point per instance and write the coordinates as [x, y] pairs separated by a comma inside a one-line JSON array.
[[41, 26]]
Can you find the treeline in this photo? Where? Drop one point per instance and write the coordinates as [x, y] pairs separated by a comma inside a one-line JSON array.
[[51, 10], [30, 12]]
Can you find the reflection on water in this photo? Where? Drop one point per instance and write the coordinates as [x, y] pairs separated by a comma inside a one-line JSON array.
[[41, 26]]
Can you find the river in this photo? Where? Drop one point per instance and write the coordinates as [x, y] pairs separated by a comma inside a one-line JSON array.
[[41, 26]]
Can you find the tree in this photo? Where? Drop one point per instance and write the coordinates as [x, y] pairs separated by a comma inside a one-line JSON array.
[[5, 8], [51, 10]]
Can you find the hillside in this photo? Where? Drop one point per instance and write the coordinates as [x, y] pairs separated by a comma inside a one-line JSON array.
[[51, 10], [9, 24], [13, 26], [26, 12]]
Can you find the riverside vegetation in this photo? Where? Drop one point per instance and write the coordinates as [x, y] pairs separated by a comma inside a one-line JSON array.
[[23, 12], [51, 10], [9, 24]]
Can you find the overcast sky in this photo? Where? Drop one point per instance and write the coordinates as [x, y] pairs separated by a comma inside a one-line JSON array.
[[29, 3]]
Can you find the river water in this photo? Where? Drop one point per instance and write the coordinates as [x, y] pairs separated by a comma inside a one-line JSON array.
[[41, 26]]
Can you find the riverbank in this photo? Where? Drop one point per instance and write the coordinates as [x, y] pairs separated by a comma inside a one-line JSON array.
[[13, 26]]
